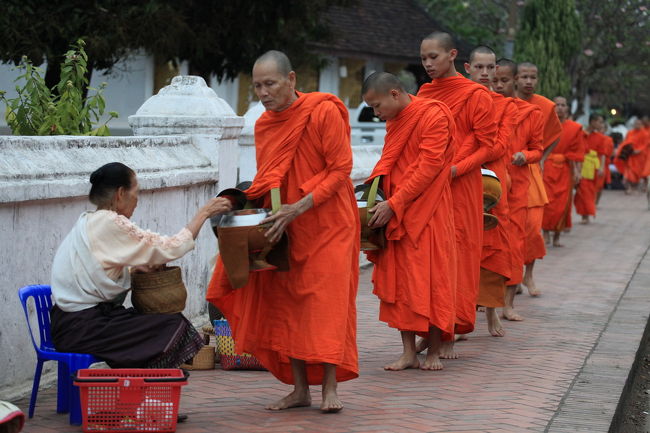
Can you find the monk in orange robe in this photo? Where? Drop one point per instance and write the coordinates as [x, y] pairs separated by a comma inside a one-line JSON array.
[[561, 173], [527, 79], [496, 260], [476, 130], [635, 166], [608, 150], [585, 200], [525, 148], [415, 274], [300, 324]]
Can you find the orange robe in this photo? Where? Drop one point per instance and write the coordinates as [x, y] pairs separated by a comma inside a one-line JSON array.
[[476, 128], [635, 166], [528, 139], [585, 200], [558, 176], [415, 274], [307, 313], [537, 198], [496, 260], [609, 151]]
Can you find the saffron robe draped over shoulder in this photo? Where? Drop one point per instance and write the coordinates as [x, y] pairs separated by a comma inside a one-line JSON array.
[[528, 140], [496, 257], [585, 199], [415, 274], [307, 313], [537, 197], [558, 176], [476, 129]]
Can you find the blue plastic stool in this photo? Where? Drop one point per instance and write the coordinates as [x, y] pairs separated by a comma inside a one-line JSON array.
[[67, 397]]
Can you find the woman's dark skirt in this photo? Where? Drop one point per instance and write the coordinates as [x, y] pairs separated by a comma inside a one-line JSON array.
[[124, 338]]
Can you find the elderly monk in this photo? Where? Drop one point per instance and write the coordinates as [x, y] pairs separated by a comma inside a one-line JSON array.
[[561, 173], [526, 148], [300, 324], [496, 261], [639, 139], [415, 274], [526, 83], [585, 200], [476, 130]]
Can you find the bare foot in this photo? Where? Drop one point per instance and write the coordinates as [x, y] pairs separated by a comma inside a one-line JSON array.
[[405, 361], [585, 220], [557, 244], [532, 288], [295, 399], [447, 350], [511, 314], [480, 308], [519, 290], [460, 337], [494, 324], [432, 362], [547, 237], [331, 402], [556, 240]]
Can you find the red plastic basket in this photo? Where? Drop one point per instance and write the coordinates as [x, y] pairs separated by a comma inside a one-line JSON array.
[[130, 400]]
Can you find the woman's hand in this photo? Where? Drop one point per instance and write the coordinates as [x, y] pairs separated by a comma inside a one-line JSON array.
[[143, 269], [382, 214], [216, 206]]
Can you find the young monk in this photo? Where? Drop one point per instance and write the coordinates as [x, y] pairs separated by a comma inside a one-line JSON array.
[[300, 324], [496, 261], [415, 274], [608, 150], [585, 200], [525, 149], [561, 173], [476, 129], [526, 83]]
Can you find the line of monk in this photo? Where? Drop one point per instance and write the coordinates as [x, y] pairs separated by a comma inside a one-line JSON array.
[[440, 262]]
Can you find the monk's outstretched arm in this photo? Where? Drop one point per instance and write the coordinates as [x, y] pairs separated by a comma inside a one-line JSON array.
[[336, 150], [430, 161], [484, 127]]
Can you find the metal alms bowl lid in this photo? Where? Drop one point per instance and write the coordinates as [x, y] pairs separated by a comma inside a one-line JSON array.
[[486, 172], [244, 217]]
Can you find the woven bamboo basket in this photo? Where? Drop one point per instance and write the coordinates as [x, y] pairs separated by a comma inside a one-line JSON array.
[[161, 292], [203, 360]]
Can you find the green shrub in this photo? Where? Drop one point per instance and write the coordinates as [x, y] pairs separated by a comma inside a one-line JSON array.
[[38, 110]]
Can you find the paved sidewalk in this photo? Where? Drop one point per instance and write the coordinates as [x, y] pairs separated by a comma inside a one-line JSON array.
[[562, 369]]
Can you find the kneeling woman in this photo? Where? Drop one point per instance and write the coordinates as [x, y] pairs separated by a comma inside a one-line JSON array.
[[90, 278]]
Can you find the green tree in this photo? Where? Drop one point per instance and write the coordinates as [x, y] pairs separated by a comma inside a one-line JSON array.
[[216, 36], [477, 22], [613, 61], [549, 36]]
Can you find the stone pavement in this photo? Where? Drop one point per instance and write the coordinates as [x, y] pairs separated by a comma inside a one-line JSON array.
[[560, 370]]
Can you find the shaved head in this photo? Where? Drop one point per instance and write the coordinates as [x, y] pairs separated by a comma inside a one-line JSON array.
[[507, 63], [278, 58], [382, 83], [444, 39], [527, 65], [481, 49]]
